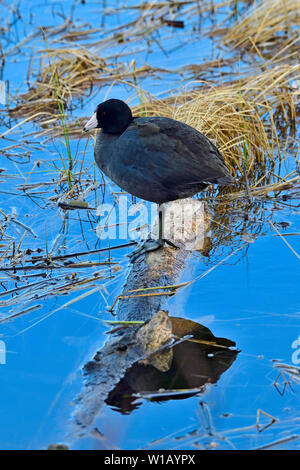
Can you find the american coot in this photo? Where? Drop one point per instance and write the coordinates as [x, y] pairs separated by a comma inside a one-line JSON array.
[[154, 158]]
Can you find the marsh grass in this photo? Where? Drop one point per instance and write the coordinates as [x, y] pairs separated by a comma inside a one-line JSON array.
[[80, 65], [245, 112], [63, 119], [243, 115], [239, 116], [248, 110], [74, 73], [266, 24]]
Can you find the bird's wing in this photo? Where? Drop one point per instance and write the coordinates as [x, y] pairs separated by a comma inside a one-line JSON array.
[[160, 159], [172, 151]]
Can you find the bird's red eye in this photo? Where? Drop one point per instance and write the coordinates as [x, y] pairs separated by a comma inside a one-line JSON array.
[[103, 113]]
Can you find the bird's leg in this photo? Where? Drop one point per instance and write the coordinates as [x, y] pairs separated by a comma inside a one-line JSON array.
[[160, 225], [161, 239], [151, 244]]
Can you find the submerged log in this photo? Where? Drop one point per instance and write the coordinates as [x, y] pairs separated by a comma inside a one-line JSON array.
[[185, 224]]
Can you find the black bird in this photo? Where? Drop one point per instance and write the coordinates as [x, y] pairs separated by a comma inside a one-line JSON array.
[[154, 158]]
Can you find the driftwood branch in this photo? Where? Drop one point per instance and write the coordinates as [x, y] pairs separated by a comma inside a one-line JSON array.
[[185, 224], [147, 351]]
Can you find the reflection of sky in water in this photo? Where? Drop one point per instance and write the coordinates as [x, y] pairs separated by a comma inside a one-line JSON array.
[[251, 299], [253, 303]]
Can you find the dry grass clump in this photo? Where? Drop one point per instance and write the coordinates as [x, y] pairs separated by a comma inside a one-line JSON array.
[[266, 24], [106, 58], [243, 117], [239, 116], [76, 71]]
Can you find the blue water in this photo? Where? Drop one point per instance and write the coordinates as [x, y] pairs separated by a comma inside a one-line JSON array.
[[251, 299]]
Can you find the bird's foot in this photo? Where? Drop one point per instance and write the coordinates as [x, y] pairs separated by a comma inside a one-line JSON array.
[[150, 245]]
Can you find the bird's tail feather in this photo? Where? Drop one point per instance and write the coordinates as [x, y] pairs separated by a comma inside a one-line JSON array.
[[225, 180]]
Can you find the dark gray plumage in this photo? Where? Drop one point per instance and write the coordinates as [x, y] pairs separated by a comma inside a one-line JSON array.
[[154, 158]]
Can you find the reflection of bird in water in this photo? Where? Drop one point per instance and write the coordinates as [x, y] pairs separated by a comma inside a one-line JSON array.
[[154, 158], [195, 362]]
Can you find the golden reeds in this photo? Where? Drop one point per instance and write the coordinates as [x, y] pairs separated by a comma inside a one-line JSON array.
[[266, 23], [244, 115], [79, 68], [239, 116], [77, 71]]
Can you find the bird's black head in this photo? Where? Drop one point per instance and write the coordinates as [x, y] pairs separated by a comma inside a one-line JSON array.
[[113, 116]]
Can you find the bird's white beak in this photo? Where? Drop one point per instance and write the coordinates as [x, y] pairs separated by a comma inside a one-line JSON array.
[[91, 124]]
